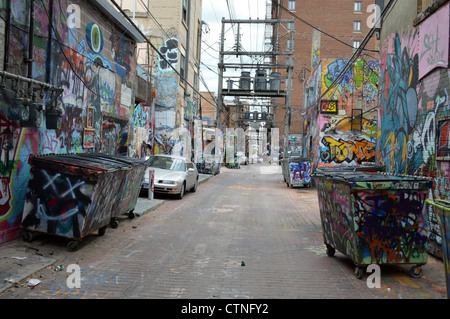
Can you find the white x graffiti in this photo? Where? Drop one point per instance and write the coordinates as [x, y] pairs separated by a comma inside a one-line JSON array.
[[51, 180], [72, 188]]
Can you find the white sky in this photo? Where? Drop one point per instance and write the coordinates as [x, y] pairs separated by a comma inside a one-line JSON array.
[[252, 35]]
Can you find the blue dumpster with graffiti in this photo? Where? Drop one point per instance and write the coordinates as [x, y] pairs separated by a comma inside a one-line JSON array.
[[297, 172], [374, 218], [208, 165], [73, 196]]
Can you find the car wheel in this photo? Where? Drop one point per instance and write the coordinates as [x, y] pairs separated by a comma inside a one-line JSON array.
[[183, 189], [194, 188]]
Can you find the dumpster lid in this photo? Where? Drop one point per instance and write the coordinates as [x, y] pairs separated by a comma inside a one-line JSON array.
[[352, 168], [108, 163], [298, 159], [354, 177], [120, 159], [74, 164]]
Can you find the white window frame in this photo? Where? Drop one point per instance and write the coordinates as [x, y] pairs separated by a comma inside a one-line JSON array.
[[357, 26], [184, 4], [357, 7], [182, 67], [291, 5]]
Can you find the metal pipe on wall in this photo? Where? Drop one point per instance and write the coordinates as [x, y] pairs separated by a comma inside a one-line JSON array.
[[7, 35]]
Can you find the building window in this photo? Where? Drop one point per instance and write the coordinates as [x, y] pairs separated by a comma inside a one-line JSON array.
[[356, 45], [185, 10], [423, 5], [356, 123], [443, 144], [291, 5], [358, 6], [195, 80], [182, 67], [357, 26]]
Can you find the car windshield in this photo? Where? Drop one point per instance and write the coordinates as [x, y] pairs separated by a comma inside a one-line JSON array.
[[174, 164]]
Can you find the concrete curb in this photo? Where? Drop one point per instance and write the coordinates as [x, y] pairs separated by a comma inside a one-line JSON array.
[[18, 263]]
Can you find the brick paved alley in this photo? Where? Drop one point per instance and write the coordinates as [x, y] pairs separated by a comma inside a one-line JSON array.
[[243, 234]]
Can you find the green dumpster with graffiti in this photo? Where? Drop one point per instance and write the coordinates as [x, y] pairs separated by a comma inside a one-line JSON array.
[[374, 218], [442, 209]]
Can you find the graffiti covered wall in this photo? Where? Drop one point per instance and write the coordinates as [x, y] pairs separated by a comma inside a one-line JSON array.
[[175, 110], [347, 120], [94, 64], [167, 112], [414, 110]]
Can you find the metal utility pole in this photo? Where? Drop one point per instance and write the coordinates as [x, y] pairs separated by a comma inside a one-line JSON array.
[[266, 87], [288, 119], [219, 99]]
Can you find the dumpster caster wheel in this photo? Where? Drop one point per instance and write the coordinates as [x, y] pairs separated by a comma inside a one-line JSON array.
[[114, 223], [72, 246], [27, 237], [359, 271], [102, 231], [416, 271], [330, 251]]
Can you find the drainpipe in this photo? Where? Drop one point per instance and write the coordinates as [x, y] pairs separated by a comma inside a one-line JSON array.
[[7, 34], [186, 72], [186, 67], [30, 48], [49, 43]]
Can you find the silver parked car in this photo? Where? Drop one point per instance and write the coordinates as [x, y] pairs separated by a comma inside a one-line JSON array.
[[173, 175]]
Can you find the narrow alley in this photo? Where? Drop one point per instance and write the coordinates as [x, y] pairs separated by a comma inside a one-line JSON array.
[[243, 235]]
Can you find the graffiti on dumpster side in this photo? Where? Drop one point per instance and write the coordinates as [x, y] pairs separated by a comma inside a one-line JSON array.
[[374, 226], [131, 187], [300, 172], [390, 226], [105, 200], [56, 203], [335, 216]]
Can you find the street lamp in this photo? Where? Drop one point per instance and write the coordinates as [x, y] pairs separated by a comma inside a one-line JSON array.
[[7, 139], [53, 117]]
